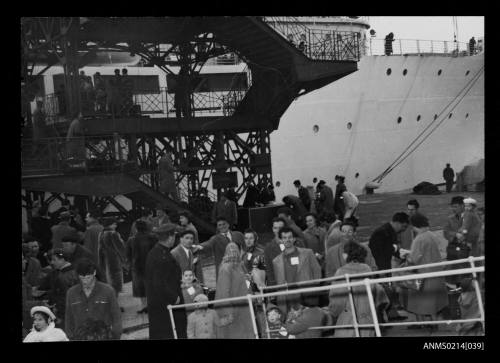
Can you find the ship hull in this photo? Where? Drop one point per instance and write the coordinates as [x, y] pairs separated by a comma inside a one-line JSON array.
[[372, 102]]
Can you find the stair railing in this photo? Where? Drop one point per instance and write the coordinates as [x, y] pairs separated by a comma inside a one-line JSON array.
[[319, 44]]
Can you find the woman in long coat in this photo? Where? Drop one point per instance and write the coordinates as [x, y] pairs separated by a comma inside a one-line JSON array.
[[432, 295], [138, 247], [340, 305], [112, 254], [235, 317]]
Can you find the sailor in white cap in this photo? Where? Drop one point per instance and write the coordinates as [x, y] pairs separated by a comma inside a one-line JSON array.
[[470, 201], [44, 329]]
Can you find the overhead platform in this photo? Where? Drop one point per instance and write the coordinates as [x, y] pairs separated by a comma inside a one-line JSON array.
[[223, 137], [168, 126]]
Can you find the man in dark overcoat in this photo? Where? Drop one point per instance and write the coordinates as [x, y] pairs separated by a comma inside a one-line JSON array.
[[448, 176], [163, 287]]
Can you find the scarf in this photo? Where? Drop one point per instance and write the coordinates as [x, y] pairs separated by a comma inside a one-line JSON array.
[[232, 254]]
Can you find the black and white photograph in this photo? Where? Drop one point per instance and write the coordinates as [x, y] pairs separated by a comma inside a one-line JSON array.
[[252, 177]]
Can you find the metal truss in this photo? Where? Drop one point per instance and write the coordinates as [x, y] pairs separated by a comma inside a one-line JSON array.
[[197, 157]]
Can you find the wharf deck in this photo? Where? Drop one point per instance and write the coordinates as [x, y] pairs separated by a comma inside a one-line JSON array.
[[373, 211]]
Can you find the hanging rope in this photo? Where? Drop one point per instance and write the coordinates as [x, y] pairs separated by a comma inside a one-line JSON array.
[[400, 157]]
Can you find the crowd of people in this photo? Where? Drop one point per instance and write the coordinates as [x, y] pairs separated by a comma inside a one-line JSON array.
[[73, 270], [101, 96]]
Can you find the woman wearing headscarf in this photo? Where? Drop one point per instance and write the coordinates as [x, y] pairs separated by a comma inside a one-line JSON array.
[[430, 295], [44, 329], [235, 318]]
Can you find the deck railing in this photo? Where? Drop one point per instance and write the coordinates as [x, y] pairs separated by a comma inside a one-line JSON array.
[[376, 46], [159, 103], [318, 44], [366, 283], [83, 155]]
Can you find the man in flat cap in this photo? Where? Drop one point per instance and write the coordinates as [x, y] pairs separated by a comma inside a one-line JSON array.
[[163, 287]]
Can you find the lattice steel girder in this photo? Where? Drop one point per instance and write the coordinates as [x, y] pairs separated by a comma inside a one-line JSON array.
[[195, 158]]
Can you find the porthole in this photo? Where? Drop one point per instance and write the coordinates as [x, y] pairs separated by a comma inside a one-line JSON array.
[[278, 184], [356, 175], [449, 116], [388, 71], [435, 117], [418, 118], [399, 119], [466, 115], [467, 73], [405, 72], [315, 129], [439, 72], [315, 180], [349, 125]]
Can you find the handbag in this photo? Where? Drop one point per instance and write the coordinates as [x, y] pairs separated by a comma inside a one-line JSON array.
[[457, 250]]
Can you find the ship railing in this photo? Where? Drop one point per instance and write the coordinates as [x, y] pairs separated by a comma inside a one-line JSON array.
[[318, 44], [418, 47], [154, 103], [360, 281], [77, 155]]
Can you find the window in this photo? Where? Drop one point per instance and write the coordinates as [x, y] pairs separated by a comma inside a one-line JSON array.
[[439, 72], [356, 175], [315, 129], [418, 118], [349, 125], [141, 84], [213, 82], [399, 119], [467, 73], [388, 71], [405, 72]]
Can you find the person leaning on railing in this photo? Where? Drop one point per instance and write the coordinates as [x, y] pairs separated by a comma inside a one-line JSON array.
[[340, 306], [429, 296]]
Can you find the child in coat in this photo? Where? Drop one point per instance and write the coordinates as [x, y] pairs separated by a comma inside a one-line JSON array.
[[190, 288], [275, 323], [203, 322]]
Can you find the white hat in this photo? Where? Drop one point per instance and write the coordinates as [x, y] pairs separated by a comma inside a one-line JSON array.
[[43, 309], [470, 201]]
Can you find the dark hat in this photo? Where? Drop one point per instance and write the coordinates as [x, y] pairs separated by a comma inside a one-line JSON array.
[[419, 220], [166, 228], [74, 237], [457, 200], [108, 221], [65, 214]]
